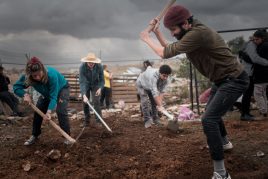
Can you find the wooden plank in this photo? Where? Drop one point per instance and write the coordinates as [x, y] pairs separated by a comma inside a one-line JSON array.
[[72, 80], [75, 88], [123, 84], [124, 92], [123, 97], [128, 88], [126, 100], [125, 75], [72, 75]]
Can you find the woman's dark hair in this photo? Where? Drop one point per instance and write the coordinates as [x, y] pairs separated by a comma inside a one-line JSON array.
[[34, 65], [261, 33], [165, 69], [147, 63]]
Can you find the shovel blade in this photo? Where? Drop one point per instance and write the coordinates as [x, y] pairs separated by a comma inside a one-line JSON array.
[[173, 126]]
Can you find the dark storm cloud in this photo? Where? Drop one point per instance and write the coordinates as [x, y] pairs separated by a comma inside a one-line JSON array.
[[119, 18], [65, 30]]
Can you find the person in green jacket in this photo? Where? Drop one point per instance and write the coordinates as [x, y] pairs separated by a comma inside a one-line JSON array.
[[91, 80], [54, 90], [208, 52]]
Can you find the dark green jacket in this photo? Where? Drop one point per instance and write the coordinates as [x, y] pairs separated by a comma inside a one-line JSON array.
[[90, 78]]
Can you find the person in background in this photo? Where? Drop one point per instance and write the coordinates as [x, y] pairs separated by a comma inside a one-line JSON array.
[[7, 96], [91, 82], [55, 95], [146, 64], [249, 57], [209, 53], [260, 38], [151, 86], [106, 90]]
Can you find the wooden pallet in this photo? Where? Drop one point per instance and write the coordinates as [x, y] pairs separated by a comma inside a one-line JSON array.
[[123, 88]]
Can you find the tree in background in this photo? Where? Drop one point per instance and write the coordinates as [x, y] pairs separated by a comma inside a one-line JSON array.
[[184, 72], [236, 44]]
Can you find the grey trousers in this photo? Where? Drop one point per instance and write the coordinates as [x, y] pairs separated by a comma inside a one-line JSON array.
[[261, 97], [148, 104], [96, 104]]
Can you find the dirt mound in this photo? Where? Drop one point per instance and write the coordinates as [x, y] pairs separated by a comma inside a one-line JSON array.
[[131, 151]]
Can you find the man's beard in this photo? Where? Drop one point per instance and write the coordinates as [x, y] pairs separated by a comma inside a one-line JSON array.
[[181, 34]]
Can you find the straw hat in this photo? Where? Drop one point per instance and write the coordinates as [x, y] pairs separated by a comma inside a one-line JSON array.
[[91, 57]]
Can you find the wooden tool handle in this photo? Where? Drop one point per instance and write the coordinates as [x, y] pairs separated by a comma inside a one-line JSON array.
[[63, 133], [161, 14]]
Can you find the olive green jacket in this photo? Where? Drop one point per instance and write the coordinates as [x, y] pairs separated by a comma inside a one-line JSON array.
[[208, 53]]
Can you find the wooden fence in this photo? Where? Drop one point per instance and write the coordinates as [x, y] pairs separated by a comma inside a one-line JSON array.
[[123, 88], [73, 80]]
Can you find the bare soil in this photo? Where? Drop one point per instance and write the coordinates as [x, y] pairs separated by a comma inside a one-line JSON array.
[[132, 151]]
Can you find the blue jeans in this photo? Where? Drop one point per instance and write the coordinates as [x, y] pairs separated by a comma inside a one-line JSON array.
[[222, 97], [61, 110]]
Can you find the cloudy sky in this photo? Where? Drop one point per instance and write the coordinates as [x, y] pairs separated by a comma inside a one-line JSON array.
[[63, 31]]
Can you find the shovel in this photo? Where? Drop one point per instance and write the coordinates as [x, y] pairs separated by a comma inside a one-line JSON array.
[[172, 123], [63, 133], [102, 121]]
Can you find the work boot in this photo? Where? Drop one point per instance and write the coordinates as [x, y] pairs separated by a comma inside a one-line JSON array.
[[31, 140], [246, 117]]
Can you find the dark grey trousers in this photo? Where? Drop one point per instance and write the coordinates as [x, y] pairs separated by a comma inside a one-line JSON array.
[[223, 95], [61, 110], [96, 104]]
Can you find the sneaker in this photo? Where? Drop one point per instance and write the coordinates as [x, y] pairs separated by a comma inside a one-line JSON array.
[[250, 115], [218, 176], [246, 117], [228, 146], [18, 114], [67, 142], [31, 140], [148, 123], [158, 122]]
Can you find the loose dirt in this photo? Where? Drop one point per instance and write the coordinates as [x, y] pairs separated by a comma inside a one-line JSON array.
[[131, 151]]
